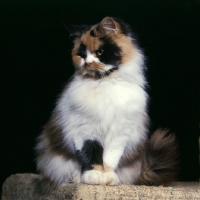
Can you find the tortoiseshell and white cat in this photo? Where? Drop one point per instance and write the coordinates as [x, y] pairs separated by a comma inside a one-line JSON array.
[[98, 132]]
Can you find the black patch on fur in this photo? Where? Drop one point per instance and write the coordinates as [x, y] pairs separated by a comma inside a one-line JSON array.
[[90, 154], [82, 50], [92, 33], [125, 28], [99, 74], [78, 30], [111, 54], [98, 28]]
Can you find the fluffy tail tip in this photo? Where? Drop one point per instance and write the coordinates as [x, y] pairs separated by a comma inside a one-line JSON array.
[[160, 163]]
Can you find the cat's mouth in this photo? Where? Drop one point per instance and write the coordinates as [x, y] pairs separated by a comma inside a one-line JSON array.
[[91, 71], [93, 66]]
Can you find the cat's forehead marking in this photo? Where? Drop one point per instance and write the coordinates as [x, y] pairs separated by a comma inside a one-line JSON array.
[[92, 43]]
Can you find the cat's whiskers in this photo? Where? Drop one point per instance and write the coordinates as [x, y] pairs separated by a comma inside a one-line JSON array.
[[65, 26], [69, 50], [81, 73], [103, 75], [74, 75]]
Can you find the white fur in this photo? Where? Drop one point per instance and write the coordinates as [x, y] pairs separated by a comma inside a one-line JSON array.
[[91, 58], [105, 109], [98, 177], [58, 169], [110, 110], [92, 177]]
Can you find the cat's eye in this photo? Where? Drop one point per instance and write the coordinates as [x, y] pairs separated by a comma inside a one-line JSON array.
[[99, 52]]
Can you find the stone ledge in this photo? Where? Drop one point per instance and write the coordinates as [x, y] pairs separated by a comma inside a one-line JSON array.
[[21, 187]]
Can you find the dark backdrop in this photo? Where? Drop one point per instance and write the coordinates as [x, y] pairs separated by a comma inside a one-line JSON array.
[[35, 64]]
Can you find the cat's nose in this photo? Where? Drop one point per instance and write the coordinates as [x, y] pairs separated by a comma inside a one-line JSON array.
[[89, 63]]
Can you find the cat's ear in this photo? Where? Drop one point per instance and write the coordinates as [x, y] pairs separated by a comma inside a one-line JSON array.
[[108, 26], [76, 31]]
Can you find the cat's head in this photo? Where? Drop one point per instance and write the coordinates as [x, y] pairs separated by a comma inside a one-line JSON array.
[[101, 49]]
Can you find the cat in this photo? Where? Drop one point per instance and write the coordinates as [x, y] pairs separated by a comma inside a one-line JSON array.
[[98, 131]]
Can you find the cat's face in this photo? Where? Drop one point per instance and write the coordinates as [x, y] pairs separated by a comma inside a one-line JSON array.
[[101, 49]]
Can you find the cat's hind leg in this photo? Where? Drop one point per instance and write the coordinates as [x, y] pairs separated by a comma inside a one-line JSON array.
[[56, 170]]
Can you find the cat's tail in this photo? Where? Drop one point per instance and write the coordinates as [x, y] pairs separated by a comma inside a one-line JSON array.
[[160, 162]]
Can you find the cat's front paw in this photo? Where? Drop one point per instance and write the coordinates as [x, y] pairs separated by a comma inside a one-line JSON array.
[[110, 178], [92, 177], [100, 178]]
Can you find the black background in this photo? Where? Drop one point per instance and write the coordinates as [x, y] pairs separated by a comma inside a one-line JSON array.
[[35, 64]]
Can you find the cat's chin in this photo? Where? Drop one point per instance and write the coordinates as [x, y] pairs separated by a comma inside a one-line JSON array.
[[97, 74], [89, 73]]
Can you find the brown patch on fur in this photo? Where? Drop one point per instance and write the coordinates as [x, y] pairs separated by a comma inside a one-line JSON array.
[[76, 58], [98, 168], [126, 45], [104, 169], [55, 144], [92, 43], [107, 168]]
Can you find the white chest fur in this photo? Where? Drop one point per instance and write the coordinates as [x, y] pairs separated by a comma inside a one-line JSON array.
[[104, 108], [98, 96]]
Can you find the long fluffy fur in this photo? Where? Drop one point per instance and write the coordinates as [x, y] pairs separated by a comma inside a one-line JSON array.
[[160, 162], [103, 110]]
